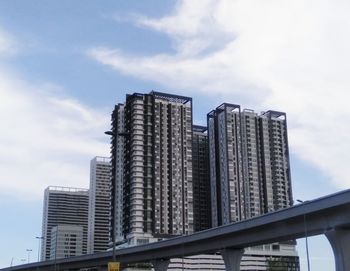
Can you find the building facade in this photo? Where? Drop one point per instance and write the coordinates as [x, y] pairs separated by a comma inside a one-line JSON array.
[[250, 175], [201, 181], [262, 258], [117, 178], [170, 177], [66, 241], [99, 204], [249, 163], [152, 167], [63, 206]]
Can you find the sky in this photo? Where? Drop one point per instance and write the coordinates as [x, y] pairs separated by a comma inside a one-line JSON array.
[[65, 64]]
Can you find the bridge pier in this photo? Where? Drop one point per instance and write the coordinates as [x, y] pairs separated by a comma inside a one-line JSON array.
[[232, 258], [160, 265], [340, 242]]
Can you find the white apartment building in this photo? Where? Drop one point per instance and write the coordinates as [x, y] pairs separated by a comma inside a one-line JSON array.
[[67, 206], [99, 204]]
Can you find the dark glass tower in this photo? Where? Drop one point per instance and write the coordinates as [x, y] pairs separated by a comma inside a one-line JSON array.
[[201, 182]]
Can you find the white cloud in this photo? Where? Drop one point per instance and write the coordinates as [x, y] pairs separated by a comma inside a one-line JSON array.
[[195, 31], [46, 138], [289, 55]]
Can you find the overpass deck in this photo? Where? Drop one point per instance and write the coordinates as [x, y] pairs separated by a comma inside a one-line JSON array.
[[328, 215]]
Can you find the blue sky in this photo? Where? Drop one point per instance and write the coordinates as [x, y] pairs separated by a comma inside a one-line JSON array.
[[64, 64]]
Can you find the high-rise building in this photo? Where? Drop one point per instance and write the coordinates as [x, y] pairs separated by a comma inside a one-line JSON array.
[[63, 206], [249, 163], [152, 167], [250, 174], [201, 181], [117, 178], [99, 204]]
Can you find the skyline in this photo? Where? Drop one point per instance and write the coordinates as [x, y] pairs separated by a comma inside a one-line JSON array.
[[62, 71]]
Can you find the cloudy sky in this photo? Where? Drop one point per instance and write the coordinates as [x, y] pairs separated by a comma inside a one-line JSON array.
[[64, 64]]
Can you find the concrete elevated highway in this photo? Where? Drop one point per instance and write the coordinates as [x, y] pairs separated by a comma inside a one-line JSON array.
[[329, 215]]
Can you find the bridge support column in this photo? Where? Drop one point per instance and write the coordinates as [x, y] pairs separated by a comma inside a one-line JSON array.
[[340, 242], [160, 265], [232, 258]]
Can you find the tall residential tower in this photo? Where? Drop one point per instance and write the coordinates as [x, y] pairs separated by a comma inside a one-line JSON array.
[[250, 175], [152, 167], [99, 204], [249, 163]]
